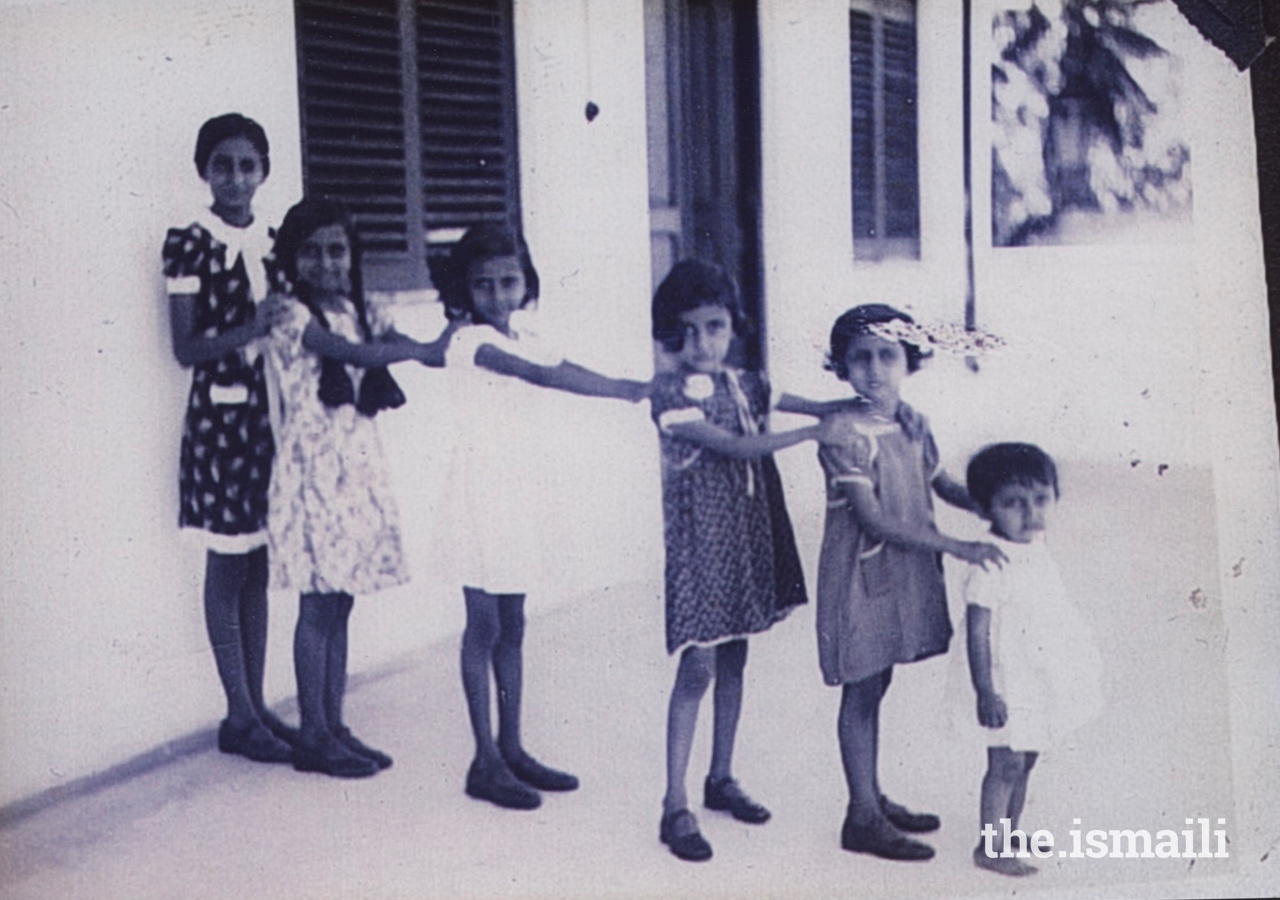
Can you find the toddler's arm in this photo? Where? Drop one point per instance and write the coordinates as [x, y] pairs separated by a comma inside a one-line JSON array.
[[992, 712], [881, 526], [564, 376]]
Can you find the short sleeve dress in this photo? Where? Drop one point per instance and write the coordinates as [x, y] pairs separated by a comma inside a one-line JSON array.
[[879, 604], [497, 492], [1044, 663], [732, 568], [225, 464], [333, 522]]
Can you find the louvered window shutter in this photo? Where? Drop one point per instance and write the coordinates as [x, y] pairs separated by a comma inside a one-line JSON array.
[[885, 155], [408, 115]]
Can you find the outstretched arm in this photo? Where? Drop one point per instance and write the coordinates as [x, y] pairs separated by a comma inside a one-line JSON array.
[[954, 493], [883, 527], [791, 403], [371, 355], [742, 446], [992, 712], [565, 376]]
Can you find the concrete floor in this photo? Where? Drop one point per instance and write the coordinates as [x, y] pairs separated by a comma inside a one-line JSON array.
[[206, 825]]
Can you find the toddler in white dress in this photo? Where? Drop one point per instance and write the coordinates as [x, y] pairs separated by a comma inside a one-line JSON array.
[[1033, 664]]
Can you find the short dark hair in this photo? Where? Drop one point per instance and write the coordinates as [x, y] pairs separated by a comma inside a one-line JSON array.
[[688, 286], [858, 321], [220, 128], [997, 465], [488, 240]]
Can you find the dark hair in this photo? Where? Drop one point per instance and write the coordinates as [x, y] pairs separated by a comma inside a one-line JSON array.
[[997, 465], [378, 390], [688, 286], [858, 321], [219, 128], [489, 240]]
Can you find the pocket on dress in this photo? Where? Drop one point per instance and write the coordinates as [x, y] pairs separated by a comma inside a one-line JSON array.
[[878, 572], [228, 394]]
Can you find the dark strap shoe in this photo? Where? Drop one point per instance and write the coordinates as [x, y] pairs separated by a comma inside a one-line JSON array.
[[679, 831], [725, 795], [883, 840], [360, 748], [497, 785], [906, 820], [536, 775]]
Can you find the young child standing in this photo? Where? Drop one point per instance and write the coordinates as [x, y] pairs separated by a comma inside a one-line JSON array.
[[498, 360], [217, 284], [881, 596], [333, 523], [732, 569], [1033, 664]]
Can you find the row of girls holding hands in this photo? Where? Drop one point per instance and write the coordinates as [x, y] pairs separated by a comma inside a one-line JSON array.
[[304, 476]]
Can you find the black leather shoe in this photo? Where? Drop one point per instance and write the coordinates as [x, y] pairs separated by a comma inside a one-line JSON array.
[[726, 795], [360, 748], [253, 742], [884, 841], [679, 831], [536, 775], [906, 820], [497, 785], [330, 756]]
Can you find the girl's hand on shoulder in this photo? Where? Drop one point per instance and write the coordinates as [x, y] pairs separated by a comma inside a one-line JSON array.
[[979, 553], [992, 712], [838, 428], [270, 312]]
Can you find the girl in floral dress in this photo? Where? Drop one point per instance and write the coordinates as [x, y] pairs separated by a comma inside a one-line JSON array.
[[333, 524], [732, 569]]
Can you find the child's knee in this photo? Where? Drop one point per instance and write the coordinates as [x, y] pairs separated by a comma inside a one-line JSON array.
[[695, 674], [1005, 765]]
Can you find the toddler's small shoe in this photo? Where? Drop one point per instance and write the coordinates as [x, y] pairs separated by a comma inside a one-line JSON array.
[[253, 741], [536, 775], [331, 757], [497, 785], [679, 831], [360, 748], [725, 795], [883, 840], [906, 820]]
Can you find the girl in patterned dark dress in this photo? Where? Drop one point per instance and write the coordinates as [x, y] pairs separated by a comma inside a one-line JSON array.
[[881, 595], [731, 564], [217, 289]]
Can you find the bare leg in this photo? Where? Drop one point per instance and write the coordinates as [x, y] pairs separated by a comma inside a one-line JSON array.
[[1004, 769], [479, 638], [859, 730], [508, 672], [224, 581], [335, 666], [731, 660], [310, 664], [693, 675], [1018, 796]]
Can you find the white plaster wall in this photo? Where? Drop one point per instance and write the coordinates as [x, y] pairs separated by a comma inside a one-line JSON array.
[[102, 646]]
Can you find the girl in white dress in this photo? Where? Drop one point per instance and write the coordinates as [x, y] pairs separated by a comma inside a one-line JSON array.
[[332, 522], [1034, 667], [499, 362]]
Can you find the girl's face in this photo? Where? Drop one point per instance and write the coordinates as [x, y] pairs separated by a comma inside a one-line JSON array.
[[324, 262], [1019, 512], [876, 368], [707, 333], [234, 173], [497, 289]]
